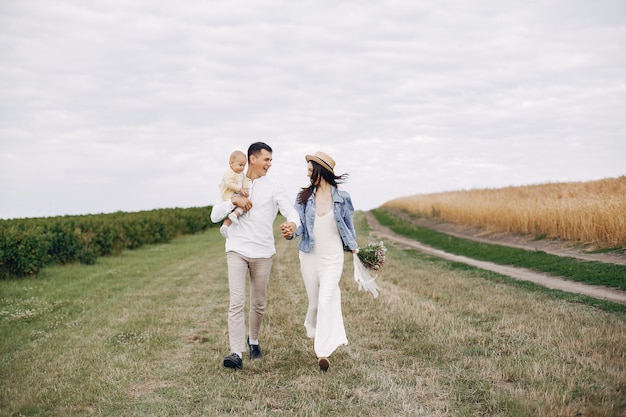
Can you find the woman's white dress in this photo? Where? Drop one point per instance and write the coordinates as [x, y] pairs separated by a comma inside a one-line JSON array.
[[321, 272]]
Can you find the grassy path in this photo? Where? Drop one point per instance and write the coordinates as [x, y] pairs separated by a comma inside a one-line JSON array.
[[593, 273], [144, 334], [542, 279]]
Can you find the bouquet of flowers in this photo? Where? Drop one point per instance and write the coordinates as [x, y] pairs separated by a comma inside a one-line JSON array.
[[373, 255], [369, 258]]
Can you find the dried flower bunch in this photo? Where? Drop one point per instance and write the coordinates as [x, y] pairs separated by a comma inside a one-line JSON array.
[[373, 254]]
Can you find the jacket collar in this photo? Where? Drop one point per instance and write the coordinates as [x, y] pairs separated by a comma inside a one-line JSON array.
[[337, 198]]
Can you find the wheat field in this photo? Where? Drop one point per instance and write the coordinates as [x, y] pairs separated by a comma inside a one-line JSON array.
[[590, 213]]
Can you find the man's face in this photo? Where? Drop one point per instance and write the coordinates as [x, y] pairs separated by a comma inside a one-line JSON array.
[[260, 163]]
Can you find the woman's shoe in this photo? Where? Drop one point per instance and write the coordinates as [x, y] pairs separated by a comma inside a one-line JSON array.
[[324, 364]]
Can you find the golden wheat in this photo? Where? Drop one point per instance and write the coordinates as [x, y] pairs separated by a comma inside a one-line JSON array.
[[592, 212]]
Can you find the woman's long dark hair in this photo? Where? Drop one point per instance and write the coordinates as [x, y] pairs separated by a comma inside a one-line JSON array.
[[317, 173]]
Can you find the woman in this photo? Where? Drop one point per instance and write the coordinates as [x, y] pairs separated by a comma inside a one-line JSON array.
[[326, 216]]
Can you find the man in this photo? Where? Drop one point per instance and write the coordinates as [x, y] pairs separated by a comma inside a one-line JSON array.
[[249, 249]]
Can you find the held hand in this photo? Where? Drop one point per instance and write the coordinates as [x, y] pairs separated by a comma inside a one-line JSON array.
[[241, 202], [245, 192], [288, 229]]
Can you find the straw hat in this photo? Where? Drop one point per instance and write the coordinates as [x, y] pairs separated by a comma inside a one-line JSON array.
[[324, 160]]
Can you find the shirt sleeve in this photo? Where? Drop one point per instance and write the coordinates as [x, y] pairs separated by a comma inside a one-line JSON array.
[[221, 209], [285, 206]]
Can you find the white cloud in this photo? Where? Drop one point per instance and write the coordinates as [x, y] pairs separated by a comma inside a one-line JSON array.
[[126, 105]]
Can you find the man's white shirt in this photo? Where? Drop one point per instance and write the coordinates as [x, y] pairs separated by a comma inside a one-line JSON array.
[[253, 237]]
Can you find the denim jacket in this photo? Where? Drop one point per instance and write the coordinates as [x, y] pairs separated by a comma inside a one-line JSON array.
[[344, 213]]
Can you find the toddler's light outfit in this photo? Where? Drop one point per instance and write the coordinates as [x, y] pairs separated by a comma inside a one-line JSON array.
[[231, 184]]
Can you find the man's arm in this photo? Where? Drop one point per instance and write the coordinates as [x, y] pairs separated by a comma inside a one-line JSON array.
[[220, 210], [286, 208], [224, 207]]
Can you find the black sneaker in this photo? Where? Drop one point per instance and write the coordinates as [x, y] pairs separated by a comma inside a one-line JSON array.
[[255, 351], [233, 361]]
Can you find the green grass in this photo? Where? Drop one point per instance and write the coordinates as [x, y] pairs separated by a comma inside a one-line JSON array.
[[144, 334], [594, 273]]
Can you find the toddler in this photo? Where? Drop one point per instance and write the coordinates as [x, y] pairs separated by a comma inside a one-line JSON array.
[[234, 182]]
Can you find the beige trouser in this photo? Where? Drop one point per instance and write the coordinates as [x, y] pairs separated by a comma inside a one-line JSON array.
[[238, 268]]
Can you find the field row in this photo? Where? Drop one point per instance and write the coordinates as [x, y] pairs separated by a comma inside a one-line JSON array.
[[27, 245]]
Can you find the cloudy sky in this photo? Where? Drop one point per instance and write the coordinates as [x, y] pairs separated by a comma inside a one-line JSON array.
[[133, 105]]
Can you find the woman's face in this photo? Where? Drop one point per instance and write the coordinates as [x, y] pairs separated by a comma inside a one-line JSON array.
[[309, 173]]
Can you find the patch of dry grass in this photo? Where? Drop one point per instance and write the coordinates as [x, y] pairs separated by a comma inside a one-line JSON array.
[[585, 212], [145, 334]]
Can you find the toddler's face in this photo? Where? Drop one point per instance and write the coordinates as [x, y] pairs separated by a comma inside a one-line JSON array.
[[238, 164]]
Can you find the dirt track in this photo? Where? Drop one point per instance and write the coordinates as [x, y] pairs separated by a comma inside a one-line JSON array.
[[513, 272]]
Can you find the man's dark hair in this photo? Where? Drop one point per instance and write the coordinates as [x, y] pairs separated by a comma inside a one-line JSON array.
[[257, 147]]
